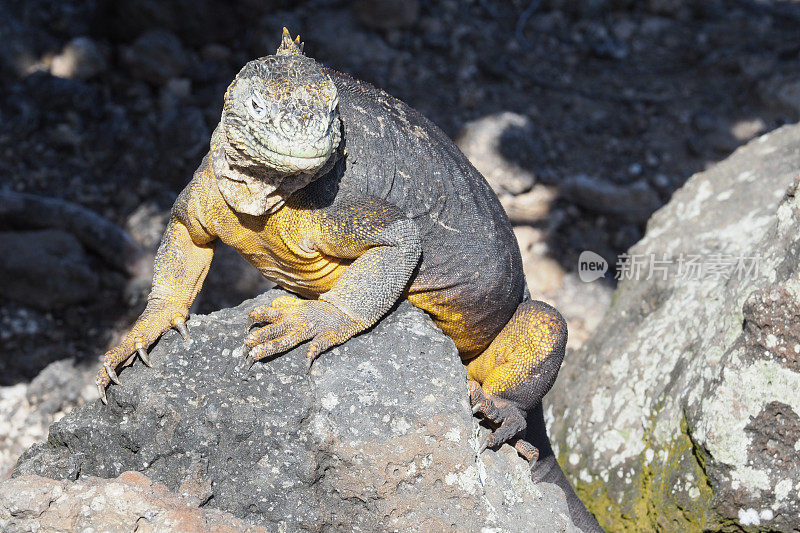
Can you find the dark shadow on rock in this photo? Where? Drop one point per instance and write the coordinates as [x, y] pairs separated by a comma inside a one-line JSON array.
[[548, 470]]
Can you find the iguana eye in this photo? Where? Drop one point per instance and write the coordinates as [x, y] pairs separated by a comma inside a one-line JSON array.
[[257, 107]]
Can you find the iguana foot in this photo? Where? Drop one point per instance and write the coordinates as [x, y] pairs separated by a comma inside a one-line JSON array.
[[126, 351], [509, 418], [293, 321]]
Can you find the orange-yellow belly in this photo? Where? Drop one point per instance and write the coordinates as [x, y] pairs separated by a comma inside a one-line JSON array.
[[280, 249]]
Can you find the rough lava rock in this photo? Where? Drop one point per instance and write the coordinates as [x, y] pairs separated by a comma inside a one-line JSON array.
[[379, 435], [45, 269], [690, 412], [130, 502]]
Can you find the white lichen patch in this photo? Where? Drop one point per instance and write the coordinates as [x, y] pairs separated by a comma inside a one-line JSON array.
[[620, 366], [746, 177], [782, 489], [724, 195], [749, 517], [742, 236], [549, 417], [329, 401], [740, 398], [400, 426], [600, 403], [468, 480], [648, 455], [695, 206], [453, 435]]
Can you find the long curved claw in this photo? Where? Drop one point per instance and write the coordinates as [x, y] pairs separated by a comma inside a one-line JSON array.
[[180, 327], [101, 391], [528, 451], [144, 357], [246, 367], [482, 405], [509, 421], [112, 374]]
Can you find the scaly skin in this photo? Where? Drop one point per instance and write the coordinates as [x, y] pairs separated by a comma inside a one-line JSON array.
[[346, 196]]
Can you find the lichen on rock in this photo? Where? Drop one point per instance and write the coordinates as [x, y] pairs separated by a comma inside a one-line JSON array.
[[690, 419]]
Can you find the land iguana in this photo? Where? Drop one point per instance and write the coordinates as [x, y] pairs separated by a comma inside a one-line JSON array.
[[346, 196]]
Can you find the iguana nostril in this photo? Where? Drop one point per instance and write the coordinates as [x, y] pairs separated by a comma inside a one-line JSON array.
[[288, 127]]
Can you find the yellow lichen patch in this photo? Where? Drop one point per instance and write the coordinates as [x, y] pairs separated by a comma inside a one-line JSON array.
[[658, 498]]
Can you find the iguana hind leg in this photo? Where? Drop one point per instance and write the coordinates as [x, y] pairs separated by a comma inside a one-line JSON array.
[[513, 374]]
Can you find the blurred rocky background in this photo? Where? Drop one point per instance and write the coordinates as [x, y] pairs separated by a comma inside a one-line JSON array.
[[584, 116]]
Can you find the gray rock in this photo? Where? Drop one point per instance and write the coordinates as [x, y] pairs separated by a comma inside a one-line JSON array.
[[362, 52], [634, 202], [45, 269], [96, 233], [379, 435], [183, 133], [155, 56], [81, 58], [28, 409], [386, 14], [689, 389], [670, 8], [503, 147], [130, 502], [57, 388], [782, 93]]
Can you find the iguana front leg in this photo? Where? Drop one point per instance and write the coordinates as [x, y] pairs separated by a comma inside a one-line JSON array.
[[386, 248], [181, 265]]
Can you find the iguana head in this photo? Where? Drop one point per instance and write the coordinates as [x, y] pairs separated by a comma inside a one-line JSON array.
[[280, 120], [281, 111]]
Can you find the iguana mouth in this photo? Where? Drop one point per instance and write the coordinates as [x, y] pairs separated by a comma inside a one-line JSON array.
[[278, 153], [296, 163]]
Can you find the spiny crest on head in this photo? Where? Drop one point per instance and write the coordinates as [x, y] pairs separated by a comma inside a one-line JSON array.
[[289, 46]]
